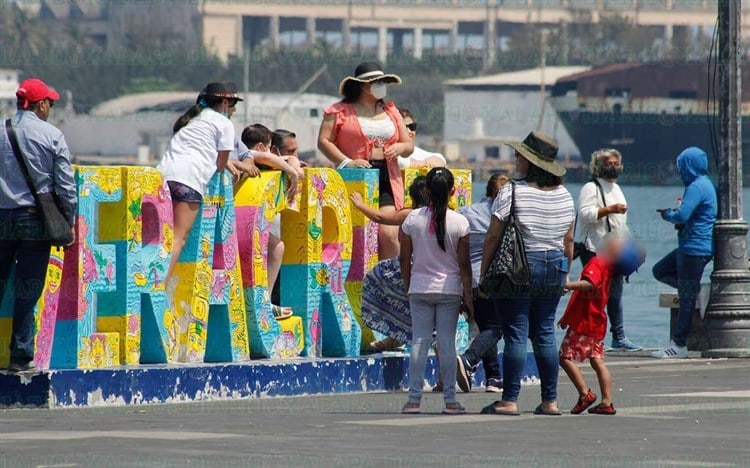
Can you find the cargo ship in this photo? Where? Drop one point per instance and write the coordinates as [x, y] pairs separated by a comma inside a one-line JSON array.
[[650, 112]]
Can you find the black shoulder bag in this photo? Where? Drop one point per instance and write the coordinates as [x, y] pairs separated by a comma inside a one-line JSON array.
[[508, 273], [57, 228]]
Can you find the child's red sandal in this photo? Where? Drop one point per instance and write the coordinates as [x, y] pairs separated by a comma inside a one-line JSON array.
[[603, 409], [584, 402]]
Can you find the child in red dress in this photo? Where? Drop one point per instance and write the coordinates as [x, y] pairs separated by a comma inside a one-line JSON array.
[[586, 322]]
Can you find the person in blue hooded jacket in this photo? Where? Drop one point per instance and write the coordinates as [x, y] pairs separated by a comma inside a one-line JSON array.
[[683, 267]]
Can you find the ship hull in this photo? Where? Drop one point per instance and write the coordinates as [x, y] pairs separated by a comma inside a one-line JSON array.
[[649, 143]]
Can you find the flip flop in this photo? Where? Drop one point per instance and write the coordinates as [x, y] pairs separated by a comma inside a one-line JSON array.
[[458, 409], [490, 409], [410, 409], [540, 410], [281, 312]]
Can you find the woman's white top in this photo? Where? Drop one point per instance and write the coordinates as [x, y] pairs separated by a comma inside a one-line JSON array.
[[377, 130], [590, 229], [418, 155], [544, 216], [190, 158]]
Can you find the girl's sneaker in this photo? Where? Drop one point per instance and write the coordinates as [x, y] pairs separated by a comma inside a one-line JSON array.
[[584, 403], [411, 408], [601, 408], [494, 385], [454, 408]]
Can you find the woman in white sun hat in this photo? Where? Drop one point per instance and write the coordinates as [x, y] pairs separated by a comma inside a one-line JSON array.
[[365, 131]]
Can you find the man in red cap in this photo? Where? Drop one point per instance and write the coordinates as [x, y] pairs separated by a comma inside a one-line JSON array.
[[25, 244]]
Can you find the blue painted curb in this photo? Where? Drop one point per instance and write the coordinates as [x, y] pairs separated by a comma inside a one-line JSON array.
[[206, 382]]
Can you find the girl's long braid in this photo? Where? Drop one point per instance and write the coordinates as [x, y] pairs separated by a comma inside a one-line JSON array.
[[439, 185]]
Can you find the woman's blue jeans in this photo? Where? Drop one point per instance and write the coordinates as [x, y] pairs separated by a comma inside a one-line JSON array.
[[531, 315], [683, 272]]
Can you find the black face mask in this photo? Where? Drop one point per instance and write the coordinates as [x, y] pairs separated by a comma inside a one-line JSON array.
[[611, 172]]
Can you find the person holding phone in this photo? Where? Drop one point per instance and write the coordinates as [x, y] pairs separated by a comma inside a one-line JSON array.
[[602, 209], [683, 267]]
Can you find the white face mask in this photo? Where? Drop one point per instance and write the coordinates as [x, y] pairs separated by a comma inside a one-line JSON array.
[[378, 90]]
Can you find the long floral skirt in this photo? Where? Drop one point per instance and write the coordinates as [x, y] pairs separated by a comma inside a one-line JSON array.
[[385, 305]]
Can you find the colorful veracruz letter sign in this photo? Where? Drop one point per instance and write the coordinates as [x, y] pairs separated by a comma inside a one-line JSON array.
[[139, 225], [318, 250], [258, 202], [317, 258], [206, 283], [364, 240], [105, 300]]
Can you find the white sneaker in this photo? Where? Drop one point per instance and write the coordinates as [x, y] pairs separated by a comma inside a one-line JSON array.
[[671, 352]]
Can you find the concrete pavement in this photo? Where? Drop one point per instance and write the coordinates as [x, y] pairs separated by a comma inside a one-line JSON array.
[[688, 413]]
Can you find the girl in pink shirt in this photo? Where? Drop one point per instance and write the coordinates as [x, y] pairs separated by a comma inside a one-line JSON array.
[[436, 272]]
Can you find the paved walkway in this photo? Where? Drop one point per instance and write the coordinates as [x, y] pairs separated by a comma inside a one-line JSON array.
[[690, 413]]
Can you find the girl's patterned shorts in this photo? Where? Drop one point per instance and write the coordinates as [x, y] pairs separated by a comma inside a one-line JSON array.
[[580, 347], [183, 193]]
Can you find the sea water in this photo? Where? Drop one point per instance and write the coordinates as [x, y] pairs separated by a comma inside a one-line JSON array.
[[645, 322]]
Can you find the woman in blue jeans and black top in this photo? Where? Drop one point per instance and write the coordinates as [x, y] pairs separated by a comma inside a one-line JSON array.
[[545, 214]]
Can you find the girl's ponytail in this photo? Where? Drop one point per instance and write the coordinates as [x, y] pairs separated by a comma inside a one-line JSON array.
[[439, 185], [201, 103], [187, 117]]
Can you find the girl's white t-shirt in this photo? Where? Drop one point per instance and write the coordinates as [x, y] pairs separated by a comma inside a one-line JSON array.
[[434, 270], [190, 158]]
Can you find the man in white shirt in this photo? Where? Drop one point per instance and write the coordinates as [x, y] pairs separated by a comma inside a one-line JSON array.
[[419, 157], [602, 208]]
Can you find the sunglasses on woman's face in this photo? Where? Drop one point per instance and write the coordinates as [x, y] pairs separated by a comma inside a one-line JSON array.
[[412, 126]]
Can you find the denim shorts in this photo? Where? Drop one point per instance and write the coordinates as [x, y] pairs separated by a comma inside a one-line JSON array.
[[183, 193]]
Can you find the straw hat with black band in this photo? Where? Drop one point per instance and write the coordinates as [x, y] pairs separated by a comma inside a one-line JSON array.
[[540, 150], [369, 72]]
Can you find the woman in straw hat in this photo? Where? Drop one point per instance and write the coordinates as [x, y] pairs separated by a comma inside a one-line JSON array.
[[545, 214], [200, 146], [365, 131]]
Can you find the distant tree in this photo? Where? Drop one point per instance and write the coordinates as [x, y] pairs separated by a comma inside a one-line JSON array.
[[163, 25], [19, 34]]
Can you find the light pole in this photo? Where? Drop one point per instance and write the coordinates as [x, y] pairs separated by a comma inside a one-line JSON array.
[[728, 314]]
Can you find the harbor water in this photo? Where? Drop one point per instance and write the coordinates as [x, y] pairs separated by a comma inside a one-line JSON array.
[[645, 322]]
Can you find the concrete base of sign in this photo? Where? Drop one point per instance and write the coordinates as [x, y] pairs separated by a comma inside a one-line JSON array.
[[149, 384]]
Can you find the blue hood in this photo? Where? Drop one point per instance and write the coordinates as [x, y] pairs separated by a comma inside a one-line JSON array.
[[692, 163]]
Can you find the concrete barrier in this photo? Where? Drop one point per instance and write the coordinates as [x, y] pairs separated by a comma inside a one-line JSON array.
[[169, 383], [698, 338]]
